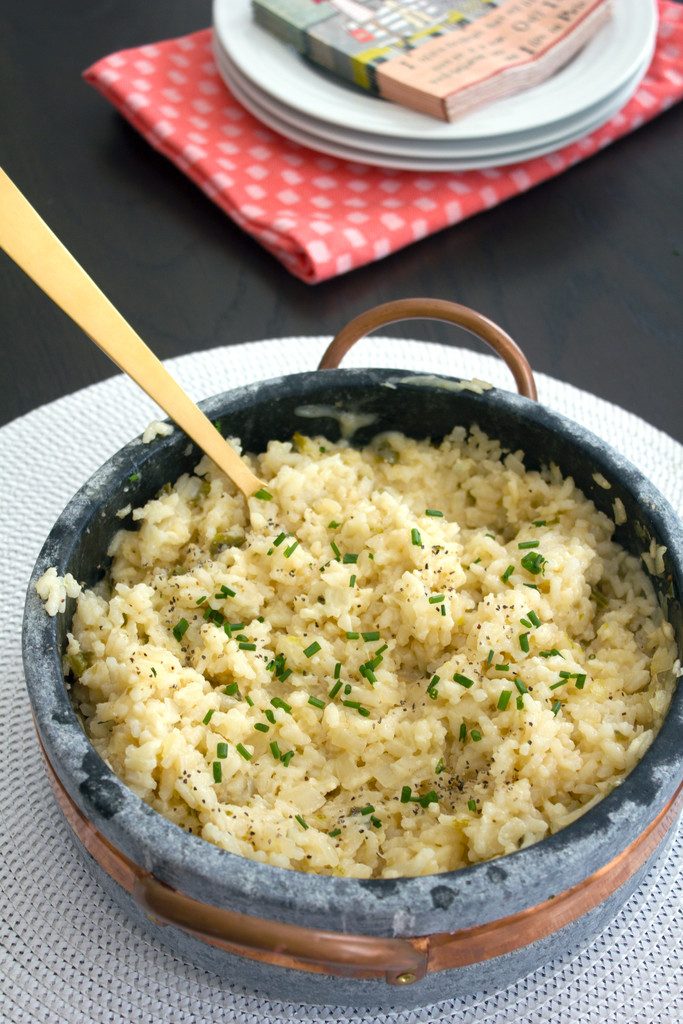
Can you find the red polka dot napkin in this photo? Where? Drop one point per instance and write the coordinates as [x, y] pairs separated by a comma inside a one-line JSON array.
[[323, 216]]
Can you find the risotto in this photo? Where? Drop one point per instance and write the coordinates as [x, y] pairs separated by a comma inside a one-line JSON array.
[[394, 661]]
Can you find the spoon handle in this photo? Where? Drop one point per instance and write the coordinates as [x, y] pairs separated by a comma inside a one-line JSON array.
[[28, 240]]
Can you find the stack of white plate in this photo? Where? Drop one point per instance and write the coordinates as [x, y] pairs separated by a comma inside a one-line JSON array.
[[306, 104]]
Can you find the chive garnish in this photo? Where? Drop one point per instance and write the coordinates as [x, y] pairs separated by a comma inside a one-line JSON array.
[[552, 653], [370, 636], [217, 771], [521, 686], [291, 549], [286, 758], [580, 681], [556, 707], [437, 598], [415, 537], [376, 822], [269, 716], [531, 586], [316, 702], [277, 702], [279, 539], [222, 750], [525, 622], [352, 581], [275, 750], [208, 716], [201, 600], [463, 680], [368, 809], [312, 649], [246, 647], [213, 615], [347, 689], [427, 798], [357, 706], [462, 735], [440, 766], [504, 699], [566, 675], [349, 558], [337, 670], [335, 832], [434, 512], [335, 689], [262, 727], [405, 794], [533, 562], [508, 573], [232, 690], [535, 621], [562, 682], [526, 544], [263, 495], [489, 657], [475, 734], [243, 752], [337, 552], [352, 635], [520, 703], [524, 642], [235, 625], [333, 525], [249, 701], [539, 522], [472, 805], [502, 668], [224, 592], [180, 629], [301, 821]]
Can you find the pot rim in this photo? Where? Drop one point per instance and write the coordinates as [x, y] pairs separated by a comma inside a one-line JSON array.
[[403, 906]]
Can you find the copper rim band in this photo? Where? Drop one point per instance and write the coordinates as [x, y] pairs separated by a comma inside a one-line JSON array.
[[396, 960]]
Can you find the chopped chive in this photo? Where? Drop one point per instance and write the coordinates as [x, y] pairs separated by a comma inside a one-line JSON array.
[[431, 689], [231, 689], [489, 657], [312, 649], [224, 592], [286, 758], [236, 625], [526, 622], [472, 806], [242, 638], [243, 752], [580, 681], [535, 621], [180, 629], [524, 642], [269, 716], [350, 558], [371, 636], [355, 704], [277, 702], [201, 600], [337, 670], [526, 544], [539, 522], [222, 750], [249, 701], [415, 537], [262, 727], [463, 680], [246, 647], [263, 495], [520, 703], [316, 702], [381, 650], [428, 798], [440, 766], [347, 689], [562, 682], [442, 609], [352, 581], [275, 750], [368, 809], [437, 598], [533, 562], [521, 686], [434, 512], [556, 707], [552, 653], [217, 771], [462, 735], [508, 573], [475, 734], [368, 674], [502, 668], [566, 675], [405, 794], [335, 832], [333, 525], [213, 615], [337, 552], [504, 699], [285, 675], [531, 586], [376, 822], [291, 549], [208, 716], [279, 539], [352, 635], [301, 821], [335, 689]]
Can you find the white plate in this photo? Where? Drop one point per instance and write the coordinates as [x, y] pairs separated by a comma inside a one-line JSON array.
[[406, 163], [432, 149], [606, 64]]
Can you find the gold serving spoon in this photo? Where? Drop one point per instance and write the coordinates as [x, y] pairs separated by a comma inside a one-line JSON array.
[[28, 240]]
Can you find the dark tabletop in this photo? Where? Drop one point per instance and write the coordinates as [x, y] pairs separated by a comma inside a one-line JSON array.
[[584, 271]]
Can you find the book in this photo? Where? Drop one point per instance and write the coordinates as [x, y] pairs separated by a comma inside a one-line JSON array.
[[444, 58]]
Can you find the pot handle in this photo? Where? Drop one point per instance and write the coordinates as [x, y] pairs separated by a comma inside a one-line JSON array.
[[398, 961], [434, 309]]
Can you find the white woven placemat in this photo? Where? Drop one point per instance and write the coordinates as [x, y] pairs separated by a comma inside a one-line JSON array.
[[66, 952]]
